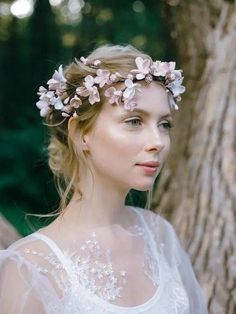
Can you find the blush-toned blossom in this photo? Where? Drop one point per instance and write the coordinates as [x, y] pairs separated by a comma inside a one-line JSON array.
[[129, 104], [82, 91], [57, 82], [174, 75], [114, 95], [159, 68], [67, 110], [115, 77], [53, 97], [102, 78], [75, 102], [89, 90], [143, 68], [94, 95], [88, 81]]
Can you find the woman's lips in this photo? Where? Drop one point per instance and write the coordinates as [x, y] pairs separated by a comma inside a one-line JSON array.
[[148, 169]]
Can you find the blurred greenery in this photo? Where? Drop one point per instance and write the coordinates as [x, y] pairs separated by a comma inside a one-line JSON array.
[[30, 49]]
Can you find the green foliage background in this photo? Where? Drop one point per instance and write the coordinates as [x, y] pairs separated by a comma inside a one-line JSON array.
[[30, 50]]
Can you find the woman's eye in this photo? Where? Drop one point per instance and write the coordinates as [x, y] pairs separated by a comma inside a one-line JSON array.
[[134, 122], [137, 122], [167, 125]]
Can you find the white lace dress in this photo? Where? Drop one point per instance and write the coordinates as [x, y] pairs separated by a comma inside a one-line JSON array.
[[140, 269]]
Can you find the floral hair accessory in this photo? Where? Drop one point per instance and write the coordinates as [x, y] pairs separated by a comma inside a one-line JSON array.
[[53, 97]]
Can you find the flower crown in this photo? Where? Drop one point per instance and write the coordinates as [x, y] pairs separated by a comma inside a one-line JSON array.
[[51, 98]]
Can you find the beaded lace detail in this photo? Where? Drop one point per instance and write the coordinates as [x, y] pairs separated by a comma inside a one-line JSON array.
[[141, 269], [102, 270], [91, 267]]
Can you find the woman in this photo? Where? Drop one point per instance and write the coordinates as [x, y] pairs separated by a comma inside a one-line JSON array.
[[110, 117]]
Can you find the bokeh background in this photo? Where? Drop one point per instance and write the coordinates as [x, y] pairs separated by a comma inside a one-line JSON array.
[[36, 37]]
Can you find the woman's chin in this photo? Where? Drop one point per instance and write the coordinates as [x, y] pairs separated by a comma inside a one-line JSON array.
[[143, 187]]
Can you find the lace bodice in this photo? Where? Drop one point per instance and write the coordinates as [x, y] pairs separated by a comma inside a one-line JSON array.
[[133, 270]]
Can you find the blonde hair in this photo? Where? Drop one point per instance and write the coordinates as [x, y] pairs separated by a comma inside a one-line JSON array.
[[64, 161]]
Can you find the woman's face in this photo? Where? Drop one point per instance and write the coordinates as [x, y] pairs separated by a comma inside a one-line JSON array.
[[121, 139]]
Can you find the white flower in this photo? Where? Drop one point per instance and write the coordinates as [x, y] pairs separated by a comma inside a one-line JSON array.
[[44, 108], [42, 90], [131, 88], [58, 81], [114, 95], [176, 87], [57, 103]]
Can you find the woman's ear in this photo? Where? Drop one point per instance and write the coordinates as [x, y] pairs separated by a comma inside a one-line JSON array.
[[74, 134]]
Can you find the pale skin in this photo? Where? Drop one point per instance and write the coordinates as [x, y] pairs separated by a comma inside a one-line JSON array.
[[119, 140]]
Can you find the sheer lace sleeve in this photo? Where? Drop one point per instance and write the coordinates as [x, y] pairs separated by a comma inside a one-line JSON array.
[[23, 286], [179, 259]]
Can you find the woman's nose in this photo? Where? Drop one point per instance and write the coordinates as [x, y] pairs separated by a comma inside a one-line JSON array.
[[154, 142]]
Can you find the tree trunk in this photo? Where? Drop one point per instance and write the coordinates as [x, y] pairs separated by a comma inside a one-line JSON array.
[[197, 190], [8, 233]]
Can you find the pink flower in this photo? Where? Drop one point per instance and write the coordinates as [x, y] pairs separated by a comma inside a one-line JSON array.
[[174, 75], [89, 90], [129, 104], [102, 78], [75, 102], [143, 68], [82, 91], [160, 68], [57, 82], [88, 81], [114, 95], [115, 77], [94, 95]]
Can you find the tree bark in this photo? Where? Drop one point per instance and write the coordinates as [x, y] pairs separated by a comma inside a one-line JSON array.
[[197, 189]]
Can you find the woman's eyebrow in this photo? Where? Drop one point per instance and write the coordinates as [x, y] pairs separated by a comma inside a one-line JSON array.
[[146, 113]]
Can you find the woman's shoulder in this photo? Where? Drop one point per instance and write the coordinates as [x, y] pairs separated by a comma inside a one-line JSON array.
[[29, 251], [155, 219], [25, 277], [162, 229]]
